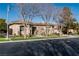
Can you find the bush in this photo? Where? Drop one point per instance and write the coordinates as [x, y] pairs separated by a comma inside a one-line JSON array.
[[2, 35], [53, 35]]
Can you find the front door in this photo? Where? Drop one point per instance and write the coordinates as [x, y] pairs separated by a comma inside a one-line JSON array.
[[33, 30], [21, 29]]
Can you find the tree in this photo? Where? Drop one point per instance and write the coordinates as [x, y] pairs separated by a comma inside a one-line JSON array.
[[33, 12], [3, 27], [68, 19], [46, 12], [77, 27], [23, 14], [58, 19], [28, 12]]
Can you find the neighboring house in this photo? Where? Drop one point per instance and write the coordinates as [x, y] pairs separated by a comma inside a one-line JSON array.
[[71, 31], [17, 28]]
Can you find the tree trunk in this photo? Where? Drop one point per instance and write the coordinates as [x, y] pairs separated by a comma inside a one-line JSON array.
[[60, 31], [24, 31], [46, 31], [30, 31]]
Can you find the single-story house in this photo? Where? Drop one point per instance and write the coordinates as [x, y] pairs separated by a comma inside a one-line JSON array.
[[17, 28]]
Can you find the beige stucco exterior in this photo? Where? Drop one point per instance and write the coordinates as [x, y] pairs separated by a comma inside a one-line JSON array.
[[35, 29], [15, 29]]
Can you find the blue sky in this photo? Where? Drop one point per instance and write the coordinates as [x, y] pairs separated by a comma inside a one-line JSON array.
[[15, 15]]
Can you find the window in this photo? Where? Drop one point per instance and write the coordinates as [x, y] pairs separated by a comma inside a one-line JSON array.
[[21, 28]]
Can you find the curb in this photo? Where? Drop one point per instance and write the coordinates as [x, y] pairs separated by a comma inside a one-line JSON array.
[[39, 39]]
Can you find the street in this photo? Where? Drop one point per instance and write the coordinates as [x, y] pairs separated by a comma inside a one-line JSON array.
[[55, 47]]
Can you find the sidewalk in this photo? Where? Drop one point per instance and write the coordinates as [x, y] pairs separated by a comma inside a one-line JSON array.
[[66, 37]]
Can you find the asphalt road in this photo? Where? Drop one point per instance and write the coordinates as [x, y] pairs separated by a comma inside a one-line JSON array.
[[55, 47]]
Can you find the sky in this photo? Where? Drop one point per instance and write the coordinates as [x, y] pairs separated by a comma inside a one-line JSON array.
[[14, 13]]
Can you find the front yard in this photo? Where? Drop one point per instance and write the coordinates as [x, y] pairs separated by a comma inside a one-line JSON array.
[[29, 38], [3, 39], [17, 38]]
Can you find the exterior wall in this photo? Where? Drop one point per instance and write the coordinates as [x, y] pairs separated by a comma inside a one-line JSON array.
[[40, 30], [15, 29], [26, 31], [72, 31], [55, 29], [50, 30]]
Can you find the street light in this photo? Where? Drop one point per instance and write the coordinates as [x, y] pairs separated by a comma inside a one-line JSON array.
[[7, 37]]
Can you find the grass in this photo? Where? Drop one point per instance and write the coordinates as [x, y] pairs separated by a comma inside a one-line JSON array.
[[3, 39], [53, 36], [31, 38], [35, 37]]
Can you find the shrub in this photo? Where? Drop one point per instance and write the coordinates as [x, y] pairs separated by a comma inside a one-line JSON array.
[[2, 35]]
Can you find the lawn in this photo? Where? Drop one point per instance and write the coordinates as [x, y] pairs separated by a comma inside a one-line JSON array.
[[3, 39], [31, 38], [35, 37]]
